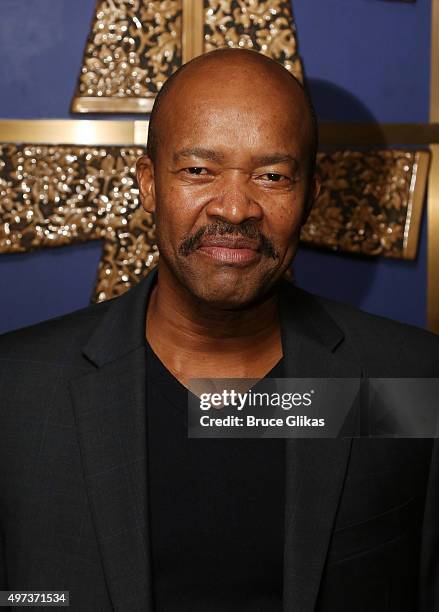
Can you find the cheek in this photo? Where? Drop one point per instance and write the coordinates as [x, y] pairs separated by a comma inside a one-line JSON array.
[[175, 213], [285, 224]]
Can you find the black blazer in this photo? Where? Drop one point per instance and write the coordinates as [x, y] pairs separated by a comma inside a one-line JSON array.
[[361, 516]]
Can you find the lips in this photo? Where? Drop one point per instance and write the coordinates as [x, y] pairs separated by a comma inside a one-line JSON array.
[[229, 242], [232, 250]]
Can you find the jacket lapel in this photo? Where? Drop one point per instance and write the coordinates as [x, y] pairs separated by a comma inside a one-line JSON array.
[[315, 468], [109, 406]]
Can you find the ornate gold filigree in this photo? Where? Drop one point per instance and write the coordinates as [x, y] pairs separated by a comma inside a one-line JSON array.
[[53, 195], [366, 202], [135, 45], [266, 26], [57, 195]]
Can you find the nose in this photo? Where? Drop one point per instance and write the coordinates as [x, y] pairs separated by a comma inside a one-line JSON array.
[[234, 202]]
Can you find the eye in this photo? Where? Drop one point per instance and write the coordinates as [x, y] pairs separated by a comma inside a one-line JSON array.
[[196, 170], [273, 177]]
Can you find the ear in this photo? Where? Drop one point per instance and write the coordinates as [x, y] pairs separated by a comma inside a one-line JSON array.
[[313, 194], [145, 181]]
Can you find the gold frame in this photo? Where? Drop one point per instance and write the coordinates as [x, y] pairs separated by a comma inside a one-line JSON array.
[[89, 104], [74, 131], [415, 207], [192, 42], [122, 132], [433, 186], [378, 135]]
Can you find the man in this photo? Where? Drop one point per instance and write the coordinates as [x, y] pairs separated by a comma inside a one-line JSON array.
[[102, 492]]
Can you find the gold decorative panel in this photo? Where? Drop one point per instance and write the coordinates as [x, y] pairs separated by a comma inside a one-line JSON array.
[[370, 202], [135, 45], [263, 25], [57, 195], [54, 195]]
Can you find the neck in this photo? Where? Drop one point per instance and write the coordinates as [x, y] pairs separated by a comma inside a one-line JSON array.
[[188, 334]]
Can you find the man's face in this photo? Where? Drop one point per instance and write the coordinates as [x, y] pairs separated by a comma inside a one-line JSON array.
[[228, 189]]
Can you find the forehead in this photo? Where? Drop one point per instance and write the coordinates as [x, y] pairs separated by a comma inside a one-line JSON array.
[[243, 114]]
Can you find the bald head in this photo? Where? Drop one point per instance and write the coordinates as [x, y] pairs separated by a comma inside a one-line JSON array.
[[245, 75]]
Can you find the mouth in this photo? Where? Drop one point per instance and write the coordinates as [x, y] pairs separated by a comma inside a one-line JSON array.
[[231, 250]]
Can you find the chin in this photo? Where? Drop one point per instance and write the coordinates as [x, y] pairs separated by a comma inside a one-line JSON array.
[[226, 288], [224, 297], [226, 303]]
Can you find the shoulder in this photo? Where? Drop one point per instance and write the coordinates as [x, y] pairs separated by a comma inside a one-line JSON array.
[[376, 339], [354, 320], [55, 340]]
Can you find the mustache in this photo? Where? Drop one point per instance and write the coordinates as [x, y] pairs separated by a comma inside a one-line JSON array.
[[247, 229]]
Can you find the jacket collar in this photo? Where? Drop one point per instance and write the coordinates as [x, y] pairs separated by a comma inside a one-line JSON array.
[[122, 328]]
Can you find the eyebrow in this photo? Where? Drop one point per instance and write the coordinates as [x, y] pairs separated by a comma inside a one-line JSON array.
[[216, 156], [201, 153], [275, 158]]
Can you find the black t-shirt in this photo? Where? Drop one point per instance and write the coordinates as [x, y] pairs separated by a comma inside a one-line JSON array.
[[216, 509]]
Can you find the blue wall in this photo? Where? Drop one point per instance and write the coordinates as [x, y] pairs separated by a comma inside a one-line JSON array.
[[366, 60]]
